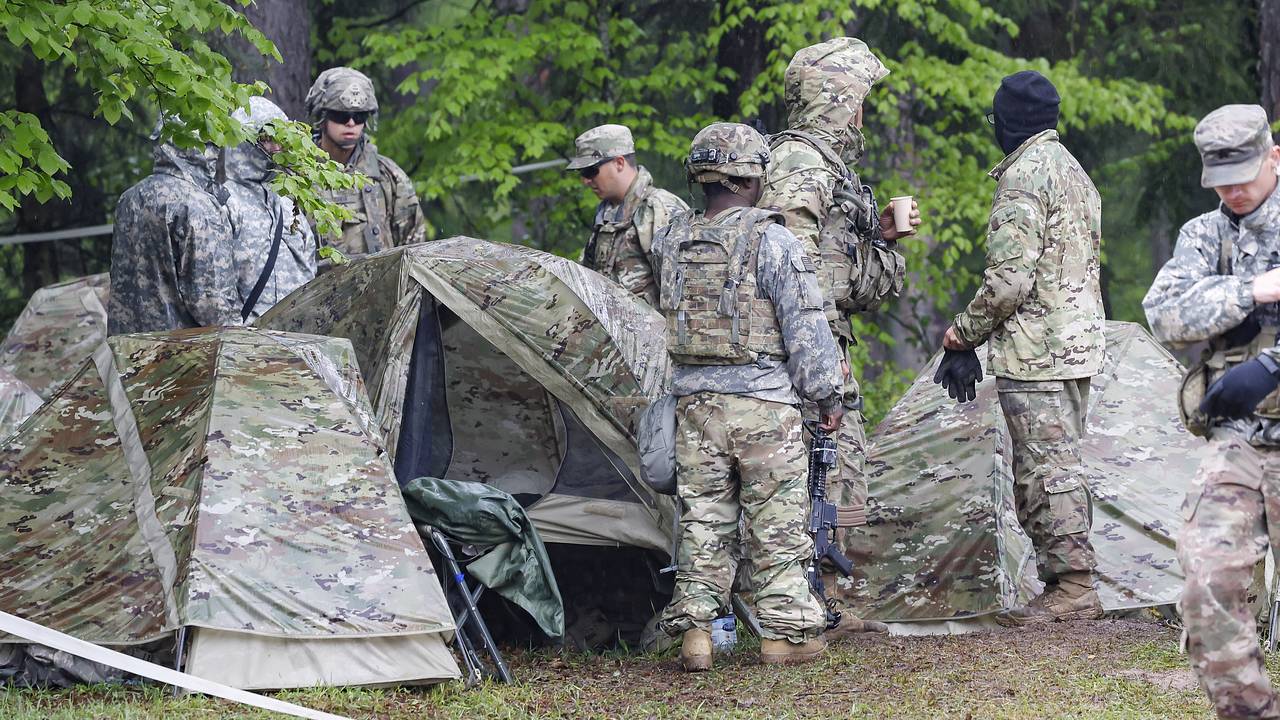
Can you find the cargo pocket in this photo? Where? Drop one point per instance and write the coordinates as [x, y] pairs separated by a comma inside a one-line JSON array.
[[1066, 495]]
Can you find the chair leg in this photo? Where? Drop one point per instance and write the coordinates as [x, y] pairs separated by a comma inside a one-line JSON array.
[[470, 614]]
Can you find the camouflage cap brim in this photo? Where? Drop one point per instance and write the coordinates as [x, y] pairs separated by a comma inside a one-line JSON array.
[[580, 162], [1242, 170]]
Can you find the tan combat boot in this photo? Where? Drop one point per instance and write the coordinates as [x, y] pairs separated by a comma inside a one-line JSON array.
[[1073, 598], [851, 625], [784, 652], [695, 650]]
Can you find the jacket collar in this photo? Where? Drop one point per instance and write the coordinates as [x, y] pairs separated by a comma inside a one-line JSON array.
[[1011, 158]]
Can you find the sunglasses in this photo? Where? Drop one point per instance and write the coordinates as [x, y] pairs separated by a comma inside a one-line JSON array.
[[591, 172], [342, 118]]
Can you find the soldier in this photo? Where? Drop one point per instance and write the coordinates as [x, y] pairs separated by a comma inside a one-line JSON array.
[[171, 260], [810, 181], [1222, 285], [272, 245], [1040, 308], [341, 104], [748, 340], [631, 210]]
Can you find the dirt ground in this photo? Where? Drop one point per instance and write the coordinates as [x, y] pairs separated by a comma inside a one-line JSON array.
[[1115, 668]]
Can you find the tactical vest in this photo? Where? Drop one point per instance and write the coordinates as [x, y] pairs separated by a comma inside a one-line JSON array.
[[858, 272], [1217, 359], [607, 238], [369, 230], [715, 313]]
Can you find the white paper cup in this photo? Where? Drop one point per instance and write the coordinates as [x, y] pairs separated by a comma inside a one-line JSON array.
[[902, 214]]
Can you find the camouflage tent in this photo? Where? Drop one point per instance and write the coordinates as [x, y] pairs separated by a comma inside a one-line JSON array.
[[505, 365], [943, 538], [57, 330], [228, 482], [17, 401]]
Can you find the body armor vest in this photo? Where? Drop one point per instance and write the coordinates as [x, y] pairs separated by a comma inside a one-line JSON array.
[[608, 238], [859, 269], [369, 230], [715, 313]]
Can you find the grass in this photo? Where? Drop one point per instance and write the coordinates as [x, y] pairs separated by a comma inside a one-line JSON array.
[[1122, 669]]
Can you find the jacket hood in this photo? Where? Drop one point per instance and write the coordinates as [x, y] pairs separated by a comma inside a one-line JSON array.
[[825, 85], [247, 162], [196, 165]]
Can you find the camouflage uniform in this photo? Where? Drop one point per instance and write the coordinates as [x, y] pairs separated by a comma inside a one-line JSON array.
[[1233, 507], [171, 260], [1040, 308], [254, 209], [810, 164], [387, 212], [743, 359], [622, 234]]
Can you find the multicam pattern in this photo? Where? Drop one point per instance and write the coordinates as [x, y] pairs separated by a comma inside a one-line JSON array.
[[1040, 300], [17, 402], [171, 260], [623, 236], [60, 327], [223, 478], [742, 457], [943, 540]]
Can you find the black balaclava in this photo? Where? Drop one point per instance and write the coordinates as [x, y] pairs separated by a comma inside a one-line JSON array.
[[1025, 104]]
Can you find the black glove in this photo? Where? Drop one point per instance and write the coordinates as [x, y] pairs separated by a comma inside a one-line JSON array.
[[1238, 393], [959, 372], [1243, 333]]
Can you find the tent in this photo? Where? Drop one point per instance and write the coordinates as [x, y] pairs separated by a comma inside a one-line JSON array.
[[943, 541], [505, 365], [227, 486], [17, 401], [58, 329]]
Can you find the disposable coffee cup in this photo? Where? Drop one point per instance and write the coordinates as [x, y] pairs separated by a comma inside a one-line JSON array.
[[902, 214]]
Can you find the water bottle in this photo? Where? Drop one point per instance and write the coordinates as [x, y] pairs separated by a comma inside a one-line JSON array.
[[724, 633]]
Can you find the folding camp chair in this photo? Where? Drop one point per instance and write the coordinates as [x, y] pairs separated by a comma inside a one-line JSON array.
[[462, 599]]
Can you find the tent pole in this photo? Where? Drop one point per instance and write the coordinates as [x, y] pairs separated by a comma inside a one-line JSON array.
[[178, 653]]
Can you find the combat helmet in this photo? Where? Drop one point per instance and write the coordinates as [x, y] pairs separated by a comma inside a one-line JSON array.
[[721, 151], [343, 89]]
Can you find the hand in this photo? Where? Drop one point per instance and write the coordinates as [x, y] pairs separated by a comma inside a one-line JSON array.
[[1266, 287], [959, 372], [951, 340], [829, 420], [889, 229], [1237, 394]]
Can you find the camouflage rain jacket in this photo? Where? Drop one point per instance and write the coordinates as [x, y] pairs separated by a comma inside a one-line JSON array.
[[785, 276], [622, 235], [171, 256], [1190, 301], [254, 210], [1040, 301], [386, 210], [825, 86]]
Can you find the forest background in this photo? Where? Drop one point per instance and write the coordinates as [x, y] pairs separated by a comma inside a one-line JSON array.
[[470, 89]]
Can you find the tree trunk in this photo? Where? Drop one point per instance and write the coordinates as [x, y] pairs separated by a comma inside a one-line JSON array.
[[742, 50], [1269, 67], [287, 23]]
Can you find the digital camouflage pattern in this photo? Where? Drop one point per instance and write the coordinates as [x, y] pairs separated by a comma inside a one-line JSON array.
[[386, 212], [1233, 141], [587, 343], [786, 296], [740, 457], [1046, 422], [1190, 301], [622, 235], [1040, 299], [226, 479], [17, 402], [254, 210], [60, 326], [1226, 537], [172, 264], [943, 539], [599, 144]]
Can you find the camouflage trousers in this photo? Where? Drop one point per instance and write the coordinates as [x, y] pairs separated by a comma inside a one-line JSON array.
[[739, 456], [1046, 421], [1232, 513]]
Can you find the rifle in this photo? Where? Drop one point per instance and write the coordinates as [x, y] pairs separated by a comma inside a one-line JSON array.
[[822, 519]]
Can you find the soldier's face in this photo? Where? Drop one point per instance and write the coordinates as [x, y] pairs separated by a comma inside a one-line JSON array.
[[1244, 198], [344, 135], [611, 179]]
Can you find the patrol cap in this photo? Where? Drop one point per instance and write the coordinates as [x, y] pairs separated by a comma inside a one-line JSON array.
[[599, 144], [1232, 141]]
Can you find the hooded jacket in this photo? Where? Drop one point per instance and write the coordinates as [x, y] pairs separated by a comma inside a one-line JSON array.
[[171, 260]]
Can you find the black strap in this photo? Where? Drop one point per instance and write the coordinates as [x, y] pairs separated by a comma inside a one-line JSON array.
[[259, 286]]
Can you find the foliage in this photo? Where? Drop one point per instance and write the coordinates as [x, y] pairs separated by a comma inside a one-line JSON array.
[[303, 167], [129, 49]]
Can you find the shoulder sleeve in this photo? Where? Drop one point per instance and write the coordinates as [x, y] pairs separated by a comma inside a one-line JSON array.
[[1189, 301], [799, 185], [408, 224]]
